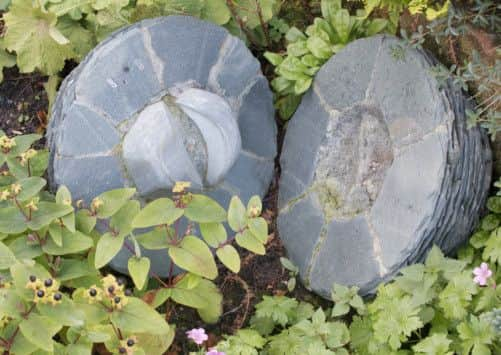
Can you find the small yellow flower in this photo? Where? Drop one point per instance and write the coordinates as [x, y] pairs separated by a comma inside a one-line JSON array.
[[6, 285], [34, 283], [118, 302], [96, 203], [254, 211], [29, 154], [55, 298], [4, 195], [4, 321], [67, 201], [127, 345], [94, 294], [32, 205], [181, 186], [15, 188], [7, 143]]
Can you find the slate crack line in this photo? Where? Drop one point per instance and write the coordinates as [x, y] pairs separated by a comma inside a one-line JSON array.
[[376, 247], [156, 62]]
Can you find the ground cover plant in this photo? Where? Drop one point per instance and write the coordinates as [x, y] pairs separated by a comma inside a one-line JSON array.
[[58, 297]]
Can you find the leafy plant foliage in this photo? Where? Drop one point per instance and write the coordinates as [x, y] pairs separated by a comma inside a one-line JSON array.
[[437, 307], [51, 252]]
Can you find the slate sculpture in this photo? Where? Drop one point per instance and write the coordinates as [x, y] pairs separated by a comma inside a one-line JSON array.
[[164, 100], [377, 166]]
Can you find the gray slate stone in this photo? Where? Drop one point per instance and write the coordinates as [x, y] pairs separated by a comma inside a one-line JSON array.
[[382, 157], [108, 127]]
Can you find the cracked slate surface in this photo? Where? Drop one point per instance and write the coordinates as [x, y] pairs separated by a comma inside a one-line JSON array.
[[421, 176], [101, 99]]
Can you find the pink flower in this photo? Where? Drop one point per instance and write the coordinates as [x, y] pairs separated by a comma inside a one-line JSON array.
[[197, 335], [213, 351], [482, 273]]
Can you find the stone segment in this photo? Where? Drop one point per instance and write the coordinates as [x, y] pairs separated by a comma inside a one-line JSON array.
[[97, 136], [432, 193], [125, 71]]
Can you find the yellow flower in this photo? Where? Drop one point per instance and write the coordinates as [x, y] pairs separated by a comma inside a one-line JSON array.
[[254, 211], [96, 203], [32, 205], [7, 143], [127, 345], [15, 188], [30, 153], [4, 195], [118, 302], [94, 294], [34, 284], [181, 186], [4, 321]]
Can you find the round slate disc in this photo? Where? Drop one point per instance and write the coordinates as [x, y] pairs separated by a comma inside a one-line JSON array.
[[134, 69], [377, 166]]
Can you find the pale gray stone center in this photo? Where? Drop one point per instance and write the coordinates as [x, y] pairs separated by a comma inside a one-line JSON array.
[[192, 136]]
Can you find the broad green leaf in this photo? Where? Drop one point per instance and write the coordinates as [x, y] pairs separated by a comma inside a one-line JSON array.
[[319, 48], [435, 344], [259, 228], [302, 86], [85, 222], [7, 60], [341, 22], [63, 195], [216, 11], [30, 187], [74, 268], [107, 248], [65, 313], [138, 270], [189, 297], [20, 276], [161, 211], [229, 257], [29, 34], [159, 238], [12, 221], [254, 206], [194, 255], [46, 213], [203, 209], [248, 241], [23, 346], [273, 58], [72, 243], [158, 297], [10, 304], [138, 317], [156, 344], [63, 7], [213, 296], [23, 250], [213, 233], [7, 258], [121, 222], [113, 201], [24, 142], [39, 330], [56, 233], [237, 215], [329, 8]]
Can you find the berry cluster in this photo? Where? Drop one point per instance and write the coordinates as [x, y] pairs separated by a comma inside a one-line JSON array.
[[112, 292], [45, 291]]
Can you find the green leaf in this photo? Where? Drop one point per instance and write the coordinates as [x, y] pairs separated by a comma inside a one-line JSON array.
[[237, 214], [23, 250], [259, 228], [85, 222], [28, 33], [7, 258], [72, 243], [65, 313], [121, 222], [12, 221], [492, 249], [341, 22], [274, 58], [213, 233], [161, 211], [39, 331], [248, 241], [157, 239], [229, 257], [294, 34], [7, 60], [436, 344], [475, 335], [56, 233], [138, 270], [302, 85], [329, 8], [190, 297], [20, 276], [46, 213], [203, 209], [194, 255], [319, 48], [30, 187], [154, 344], [63, 196], [107, 248], [138, 317], [214, 298], [254, 206], [113, 201], [216, 11]]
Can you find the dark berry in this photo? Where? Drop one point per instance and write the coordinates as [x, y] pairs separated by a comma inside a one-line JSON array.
[[33, 278], [40, 293], [93, 292], [120, 282], [48, 283], [117, 300], [58, 296], [128, 292], [111, 289], [122, 350], [130, 342]]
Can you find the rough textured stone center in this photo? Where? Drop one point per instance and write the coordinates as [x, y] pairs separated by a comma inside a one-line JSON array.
[[352, 162]]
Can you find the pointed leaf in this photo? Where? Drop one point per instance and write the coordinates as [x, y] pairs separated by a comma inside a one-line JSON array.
[[139, 269], [194, 255]]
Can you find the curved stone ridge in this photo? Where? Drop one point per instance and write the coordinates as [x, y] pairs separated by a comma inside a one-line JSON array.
[[172, 98], [377, 166]]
